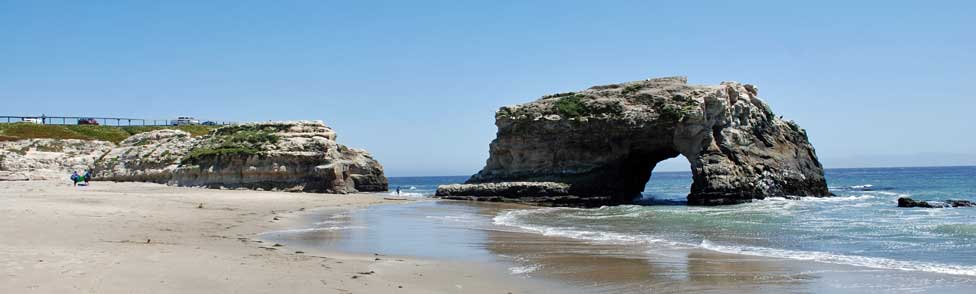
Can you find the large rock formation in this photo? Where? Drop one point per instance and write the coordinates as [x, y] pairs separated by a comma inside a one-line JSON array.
[[145, 157], [290, 156], [40, 159], [604, 141]]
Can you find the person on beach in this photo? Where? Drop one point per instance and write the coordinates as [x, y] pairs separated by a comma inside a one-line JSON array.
[[398, 190], [87, 177], [74, 178]]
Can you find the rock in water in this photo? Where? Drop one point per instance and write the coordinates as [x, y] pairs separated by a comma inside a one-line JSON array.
[[604, 141], [909, 202]]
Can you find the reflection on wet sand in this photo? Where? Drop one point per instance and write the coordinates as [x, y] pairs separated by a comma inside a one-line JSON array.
[[629, 269]]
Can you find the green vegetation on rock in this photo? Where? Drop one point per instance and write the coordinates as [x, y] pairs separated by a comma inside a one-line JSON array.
[[244, 142], [676, 112], [20, 131], [571, 106], [631, 89]]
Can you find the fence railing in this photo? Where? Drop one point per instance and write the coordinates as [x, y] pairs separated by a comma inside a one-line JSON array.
[[105, 121]]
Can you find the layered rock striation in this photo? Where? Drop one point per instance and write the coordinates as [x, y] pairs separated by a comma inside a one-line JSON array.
[[284, 156], [145, 157], [604, 141], [290, 156]]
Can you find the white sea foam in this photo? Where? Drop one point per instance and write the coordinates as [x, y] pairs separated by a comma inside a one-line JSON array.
[[511, 219], [519, 270], [316, 229], [407, 194], [872, 262]]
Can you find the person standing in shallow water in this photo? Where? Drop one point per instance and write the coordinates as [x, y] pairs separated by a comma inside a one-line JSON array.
[[398, 190]]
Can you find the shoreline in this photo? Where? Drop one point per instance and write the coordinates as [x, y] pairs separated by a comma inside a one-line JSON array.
[[151, 238], [122, 237], [445, 229]]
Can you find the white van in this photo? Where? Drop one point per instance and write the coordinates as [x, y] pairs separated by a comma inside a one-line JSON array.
[[33, 120], [184, 120]]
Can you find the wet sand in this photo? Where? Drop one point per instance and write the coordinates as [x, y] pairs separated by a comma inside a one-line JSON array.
[[462, 231], [149, 238]]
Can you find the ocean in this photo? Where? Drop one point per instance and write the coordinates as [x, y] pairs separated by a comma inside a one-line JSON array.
[[860, 228]]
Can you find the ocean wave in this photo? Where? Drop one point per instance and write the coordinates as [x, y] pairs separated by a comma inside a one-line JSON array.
[[511, 219], [410, 194], [968, 230], [863, 261], [863, 187]]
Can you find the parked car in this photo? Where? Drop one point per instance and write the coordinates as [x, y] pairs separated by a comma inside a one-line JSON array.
[[184, 121], [33, 120], [209, 123], [87, 121]]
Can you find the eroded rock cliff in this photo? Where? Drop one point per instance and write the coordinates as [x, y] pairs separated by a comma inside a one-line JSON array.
[[604, 141], [290, 156], [40, 159], [145, 157]]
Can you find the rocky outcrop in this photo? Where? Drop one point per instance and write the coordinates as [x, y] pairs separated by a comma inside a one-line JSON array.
[[145, 157], [604, 141], [909, 203], [536, 193], [289, 156], [40, 159], [507, 189]]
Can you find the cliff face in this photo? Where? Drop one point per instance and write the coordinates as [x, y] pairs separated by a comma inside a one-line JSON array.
[[285, 156], [145, 157], [290, 156], [604, 142], [40, 159]]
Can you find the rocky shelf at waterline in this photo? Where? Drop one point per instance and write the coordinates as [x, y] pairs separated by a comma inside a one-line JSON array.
[[285, 156], [910, 203], [603, 142]]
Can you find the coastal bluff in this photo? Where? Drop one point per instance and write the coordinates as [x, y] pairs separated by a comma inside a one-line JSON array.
[[276, 156], [603, 142]]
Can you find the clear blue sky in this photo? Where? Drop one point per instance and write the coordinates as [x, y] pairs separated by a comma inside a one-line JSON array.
[[417, 82]]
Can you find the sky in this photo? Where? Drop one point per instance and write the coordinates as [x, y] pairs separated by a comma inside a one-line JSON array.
[[874, 83]]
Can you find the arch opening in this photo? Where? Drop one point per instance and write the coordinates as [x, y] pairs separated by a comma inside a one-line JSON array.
[[669, 182]]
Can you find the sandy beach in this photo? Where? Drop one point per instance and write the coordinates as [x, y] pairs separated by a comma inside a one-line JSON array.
[[150, 238]]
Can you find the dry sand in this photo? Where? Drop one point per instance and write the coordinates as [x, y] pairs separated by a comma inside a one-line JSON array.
[[149, 238]]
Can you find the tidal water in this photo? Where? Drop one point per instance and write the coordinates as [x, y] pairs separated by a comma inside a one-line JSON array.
[[927, 250], [861, 226]]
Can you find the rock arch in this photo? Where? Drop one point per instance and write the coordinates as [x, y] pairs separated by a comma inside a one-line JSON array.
[[599, 146]]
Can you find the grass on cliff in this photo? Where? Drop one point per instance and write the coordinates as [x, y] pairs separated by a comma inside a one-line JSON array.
[[245, 142], [571, 106], [19, 131]]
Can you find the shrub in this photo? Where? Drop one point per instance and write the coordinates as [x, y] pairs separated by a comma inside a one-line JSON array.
[[245, 142], [631, 89], [571, 106]]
